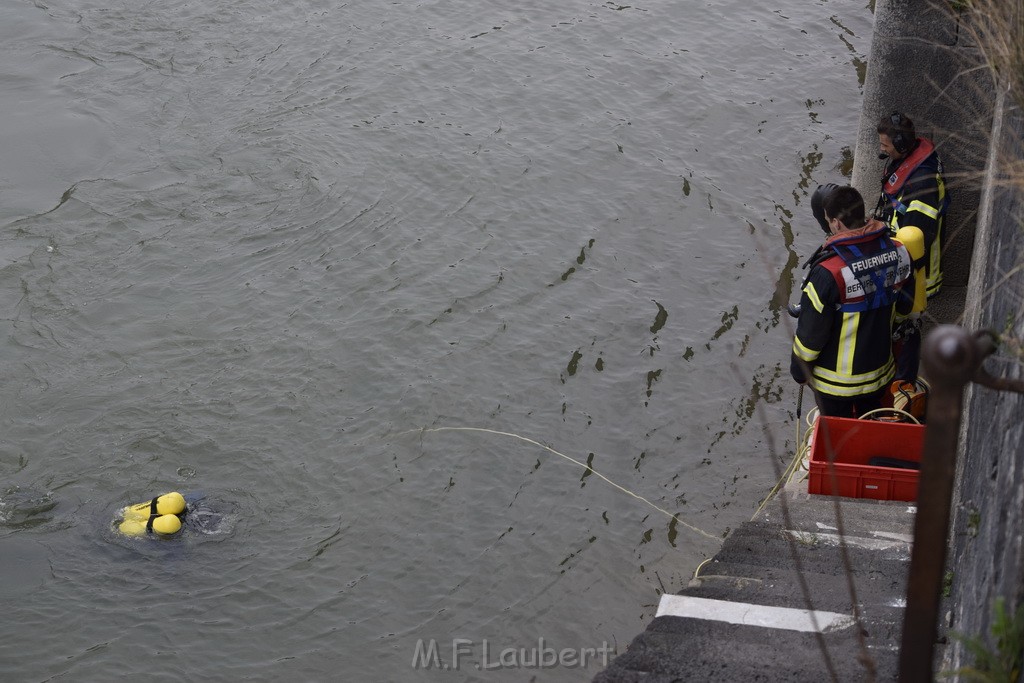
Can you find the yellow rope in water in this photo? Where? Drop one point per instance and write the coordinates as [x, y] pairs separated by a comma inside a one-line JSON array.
[[696, 572], [803, 445], [563, 455]]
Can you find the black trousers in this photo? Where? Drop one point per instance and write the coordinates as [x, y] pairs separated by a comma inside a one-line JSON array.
[[908, 354], [834, 406]]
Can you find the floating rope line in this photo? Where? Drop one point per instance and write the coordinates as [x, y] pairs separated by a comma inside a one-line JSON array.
[[570, 459], [797, 463]]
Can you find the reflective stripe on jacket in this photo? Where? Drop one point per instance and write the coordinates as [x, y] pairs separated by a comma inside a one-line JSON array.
[[914, 192], [847, 310]]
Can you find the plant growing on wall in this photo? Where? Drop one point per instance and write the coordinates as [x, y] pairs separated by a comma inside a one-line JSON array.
[[1002, 661], [998, 27]]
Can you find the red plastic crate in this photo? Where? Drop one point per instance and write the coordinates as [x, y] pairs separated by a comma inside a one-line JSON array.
[[854, 443]]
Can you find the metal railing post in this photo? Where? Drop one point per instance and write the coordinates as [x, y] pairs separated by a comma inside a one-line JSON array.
[[951, 357]]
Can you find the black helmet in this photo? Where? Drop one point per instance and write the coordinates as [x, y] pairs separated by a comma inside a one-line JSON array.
[[816, 205]]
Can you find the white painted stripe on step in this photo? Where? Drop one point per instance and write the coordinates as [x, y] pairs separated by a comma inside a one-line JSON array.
[[786, 618], [906, 538], [893, 541]]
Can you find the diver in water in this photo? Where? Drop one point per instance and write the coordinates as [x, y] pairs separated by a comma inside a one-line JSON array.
[[168, 514]]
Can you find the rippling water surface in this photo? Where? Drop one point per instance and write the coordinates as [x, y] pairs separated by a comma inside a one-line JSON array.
[[270, 253]]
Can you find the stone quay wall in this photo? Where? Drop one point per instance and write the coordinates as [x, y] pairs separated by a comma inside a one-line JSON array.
[[925, 63]]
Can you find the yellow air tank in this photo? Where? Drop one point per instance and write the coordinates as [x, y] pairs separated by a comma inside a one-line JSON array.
[[166, 524], [161, 515], [913, 239], [172, 503], [162, 524], [133, 527]]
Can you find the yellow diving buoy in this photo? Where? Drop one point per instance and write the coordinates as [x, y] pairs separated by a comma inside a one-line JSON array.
[[162, 515], [913, 239]]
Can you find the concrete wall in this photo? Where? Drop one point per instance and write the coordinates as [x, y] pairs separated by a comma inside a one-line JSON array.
[[924, 64]]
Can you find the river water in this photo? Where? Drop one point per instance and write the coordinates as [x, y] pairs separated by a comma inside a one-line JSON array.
[[371, 280]]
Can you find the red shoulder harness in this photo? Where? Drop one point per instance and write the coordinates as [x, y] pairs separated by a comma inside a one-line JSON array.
[[895, 181]]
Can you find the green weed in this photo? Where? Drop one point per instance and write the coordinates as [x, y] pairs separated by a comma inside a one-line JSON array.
[[1001, 663]]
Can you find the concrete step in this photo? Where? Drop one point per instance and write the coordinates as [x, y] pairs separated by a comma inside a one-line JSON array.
[[766, 545], [877, 599], [860, 517], [745, 618], [681, 649]]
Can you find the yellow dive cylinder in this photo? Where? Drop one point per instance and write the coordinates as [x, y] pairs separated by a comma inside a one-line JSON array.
[[160, 515], [913, 239]]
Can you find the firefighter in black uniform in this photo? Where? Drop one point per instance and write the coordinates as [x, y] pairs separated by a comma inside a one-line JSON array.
[[860, 281], [913, 194]]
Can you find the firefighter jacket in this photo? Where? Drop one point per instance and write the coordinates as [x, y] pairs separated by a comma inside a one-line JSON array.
[[849, 301], [914, 193]]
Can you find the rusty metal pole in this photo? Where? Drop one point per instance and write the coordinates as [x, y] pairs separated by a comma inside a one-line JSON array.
[[950, 357]]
